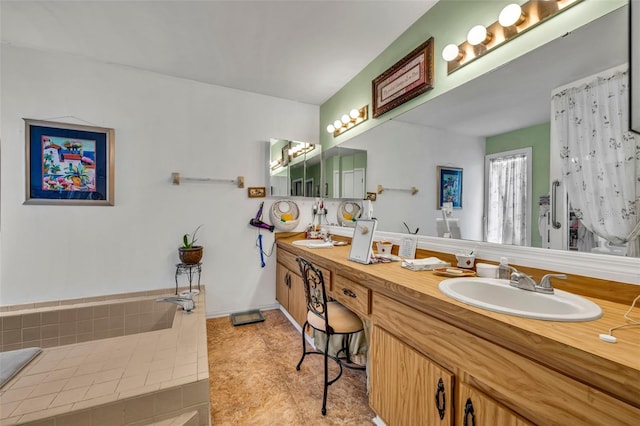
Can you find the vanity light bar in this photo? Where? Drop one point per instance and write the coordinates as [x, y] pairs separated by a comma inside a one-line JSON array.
[[349, 121], [292, 152], [514, 20], [299, 149]]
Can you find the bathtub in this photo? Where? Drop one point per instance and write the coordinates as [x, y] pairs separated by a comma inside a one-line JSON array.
[[115, 360], [77, 321]]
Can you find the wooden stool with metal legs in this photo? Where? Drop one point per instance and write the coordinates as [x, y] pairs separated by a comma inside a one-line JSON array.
[[328, 317]]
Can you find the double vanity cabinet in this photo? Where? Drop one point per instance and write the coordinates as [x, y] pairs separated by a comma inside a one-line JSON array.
[[436, 361]]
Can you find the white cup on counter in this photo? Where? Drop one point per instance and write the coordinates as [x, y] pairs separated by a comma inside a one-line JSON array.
[[487, 270], [465, 261], [384, 247]]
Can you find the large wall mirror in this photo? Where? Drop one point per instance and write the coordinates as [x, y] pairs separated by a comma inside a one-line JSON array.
[[497, 115], [294, 169]]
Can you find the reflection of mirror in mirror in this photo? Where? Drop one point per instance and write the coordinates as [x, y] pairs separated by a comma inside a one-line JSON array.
[[504, 110], [348, 212], [345, 172], [294, 168]]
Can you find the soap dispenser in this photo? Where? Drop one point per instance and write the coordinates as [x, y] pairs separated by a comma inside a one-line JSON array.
[[504, 271]]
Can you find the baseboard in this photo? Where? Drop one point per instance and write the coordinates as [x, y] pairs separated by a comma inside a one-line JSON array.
[[378, 421], [308, 338], [219, 314]]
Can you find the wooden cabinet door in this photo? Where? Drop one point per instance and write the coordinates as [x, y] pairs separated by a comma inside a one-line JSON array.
[[474, 408], [406, 387], [297, 299], [282, 285]]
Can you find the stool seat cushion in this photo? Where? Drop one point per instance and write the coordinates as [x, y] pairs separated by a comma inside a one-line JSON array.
[[341, 319]]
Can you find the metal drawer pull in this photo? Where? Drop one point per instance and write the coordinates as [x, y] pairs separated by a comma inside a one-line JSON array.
[[441, 399], [469, 418], [349, 293]]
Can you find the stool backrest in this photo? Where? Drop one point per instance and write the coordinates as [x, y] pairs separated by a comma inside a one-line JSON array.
[[314, 289]]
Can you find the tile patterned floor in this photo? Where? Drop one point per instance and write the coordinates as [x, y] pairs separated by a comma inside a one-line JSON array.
[[254, 381]]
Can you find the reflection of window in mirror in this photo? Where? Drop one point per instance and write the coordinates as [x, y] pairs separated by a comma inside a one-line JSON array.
[[508, 197]]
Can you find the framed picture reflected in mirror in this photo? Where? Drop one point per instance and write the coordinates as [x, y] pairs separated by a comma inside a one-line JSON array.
[[449, 186]]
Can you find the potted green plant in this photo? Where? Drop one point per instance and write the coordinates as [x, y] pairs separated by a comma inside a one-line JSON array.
[[79, 175], [190, 253]]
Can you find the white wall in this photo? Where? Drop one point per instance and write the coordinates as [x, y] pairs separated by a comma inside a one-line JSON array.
[[162, 124], [401, 155]]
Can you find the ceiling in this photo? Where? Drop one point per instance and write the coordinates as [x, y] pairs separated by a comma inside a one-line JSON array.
[[298, 50], [517, 94]]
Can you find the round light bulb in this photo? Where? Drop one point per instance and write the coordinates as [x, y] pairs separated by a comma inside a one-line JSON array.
[[354, 113], [450, 52], [345, 119], [477, 35], [510, 15], [330, 128], [337, 124]]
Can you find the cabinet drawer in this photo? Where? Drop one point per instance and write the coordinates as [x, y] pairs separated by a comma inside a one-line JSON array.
[[288, 259], [352, 295]]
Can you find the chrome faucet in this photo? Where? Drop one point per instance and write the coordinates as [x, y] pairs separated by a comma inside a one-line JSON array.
[[526, 282], [186, 303], [545, 283]]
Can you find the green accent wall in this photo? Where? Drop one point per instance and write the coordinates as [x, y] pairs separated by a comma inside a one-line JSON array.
[[356, 161], [448, 21], [536, 137]]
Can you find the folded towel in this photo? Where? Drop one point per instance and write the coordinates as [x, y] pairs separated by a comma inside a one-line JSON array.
[[426, 264], [12, 362]]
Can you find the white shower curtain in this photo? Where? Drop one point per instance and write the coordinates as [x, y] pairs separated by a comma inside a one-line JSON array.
[[507, 200], [600, 156]]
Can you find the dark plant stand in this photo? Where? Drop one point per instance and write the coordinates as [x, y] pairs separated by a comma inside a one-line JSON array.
[[189, 270]]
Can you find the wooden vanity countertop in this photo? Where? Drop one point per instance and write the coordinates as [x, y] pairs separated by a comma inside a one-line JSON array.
[[572, 348]]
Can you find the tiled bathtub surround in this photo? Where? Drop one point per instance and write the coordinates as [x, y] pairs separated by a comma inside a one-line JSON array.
[[128, 380], [67, 324]]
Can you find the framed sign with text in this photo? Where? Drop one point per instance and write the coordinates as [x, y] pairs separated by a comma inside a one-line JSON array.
[[408, 78]]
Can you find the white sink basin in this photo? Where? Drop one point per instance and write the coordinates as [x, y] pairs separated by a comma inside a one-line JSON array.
[[498, 296]]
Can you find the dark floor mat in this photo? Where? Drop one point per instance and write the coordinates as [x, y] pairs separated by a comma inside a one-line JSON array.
[[248, 317]]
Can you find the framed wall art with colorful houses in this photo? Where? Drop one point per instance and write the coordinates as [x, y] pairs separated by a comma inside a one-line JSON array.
[[69, 164]]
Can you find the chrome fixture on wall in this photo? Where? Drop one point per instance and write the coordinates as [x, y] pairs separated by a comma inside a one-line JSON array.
[[513, 20]]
